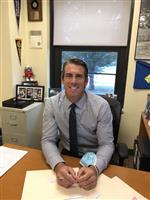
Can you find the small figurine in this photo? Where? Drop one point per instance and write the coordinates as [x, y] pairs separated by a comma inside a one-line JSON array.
[[28, 73]]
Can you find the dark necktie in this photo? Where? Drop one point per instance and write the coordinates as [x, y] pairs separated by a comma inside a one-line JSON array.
[[73, 131]]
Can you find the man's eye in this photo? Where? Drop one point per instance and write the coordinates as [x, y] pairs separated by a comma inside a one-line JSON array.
[[79, 76], [68, 75]]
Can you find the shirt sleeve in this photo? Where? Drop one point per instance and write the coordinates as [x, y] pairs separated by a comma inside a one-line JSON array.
[[50, 136], [105, 137]]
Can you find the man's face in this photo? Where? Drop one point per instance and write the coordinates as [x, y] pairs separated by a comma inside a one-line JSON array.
[[74, 81]]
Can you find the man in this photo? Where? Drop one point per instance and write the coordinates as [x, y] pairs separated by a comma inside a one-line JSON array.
[[94, 128]]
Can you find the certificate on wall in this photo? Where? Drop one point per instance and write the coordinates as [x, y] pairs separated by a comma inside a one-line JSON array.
[[142, 51]]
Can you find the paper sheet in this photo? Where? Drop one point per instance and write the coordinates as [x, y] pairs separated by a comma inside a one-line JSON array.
[[126, 190], [9, 157], [41, 185]]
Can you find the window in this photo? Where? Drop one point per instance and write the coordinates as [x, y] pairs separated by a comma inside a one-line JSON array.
[[102, 69], [107, 65]]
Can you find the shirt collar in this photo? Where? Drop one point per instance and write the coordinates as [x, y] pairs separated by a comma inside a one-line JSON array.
[[65, 101], [81, 101]]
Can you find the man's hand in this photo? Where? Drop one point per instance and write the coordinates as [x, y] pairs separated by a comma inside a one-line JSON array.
[[66, 176], [87, 177]]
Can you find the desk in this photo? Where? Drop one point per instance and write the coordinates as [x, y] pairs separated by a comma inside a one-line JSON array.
[[142, 146], [12, 181]]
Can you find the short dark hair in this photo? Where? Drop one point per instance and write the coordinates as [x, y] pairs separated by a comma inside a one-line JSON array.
[[75, 61]]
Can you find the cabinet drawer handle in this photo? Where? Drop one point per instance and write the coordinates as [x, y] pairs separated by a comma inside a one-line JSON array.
[[13, 124], [14, 140]]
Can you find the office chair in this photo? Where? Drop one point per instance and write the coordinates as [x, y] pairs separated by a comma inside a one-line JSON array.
[[121, 149]]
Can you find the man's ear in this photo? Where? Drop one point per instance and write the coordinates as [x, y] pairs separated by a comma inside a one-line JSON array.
[[86, 80], [62, 78]]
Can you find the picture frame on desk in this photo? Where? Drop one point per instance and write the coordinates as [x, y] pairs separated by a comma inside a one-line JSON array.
[[27, 92], [31, 83]]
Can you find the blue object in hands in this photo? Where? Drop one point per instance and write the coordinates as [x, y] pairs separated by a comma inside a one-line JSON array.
[[88, 159]]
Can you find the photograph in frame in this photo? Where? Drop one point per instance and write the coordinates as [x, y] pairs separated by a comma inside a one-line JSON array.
[[35, 93], [142, 51]]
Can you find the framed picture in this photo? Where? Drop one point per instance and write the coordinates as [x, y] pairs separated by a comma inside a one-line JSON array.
[[142, 51], [27, 92], [34, 10]]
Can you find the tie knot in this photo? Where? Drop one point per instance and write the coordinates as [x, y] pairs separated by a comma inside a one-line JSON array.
[[73, 105]]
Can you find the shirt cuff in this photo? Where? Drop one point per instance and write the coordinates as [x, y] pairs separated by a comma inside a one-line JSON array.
[[58, 164], [101, 165], [96, 169]]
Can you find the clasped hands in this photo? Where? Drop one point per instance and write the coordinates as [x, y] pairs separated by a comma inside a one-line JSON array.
[[86, 177]]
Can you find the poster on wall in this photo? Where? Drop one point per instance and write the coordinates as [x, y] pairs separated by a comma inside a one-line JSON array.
[[17, 6], [142, 51], [18, 46], [142, 75]]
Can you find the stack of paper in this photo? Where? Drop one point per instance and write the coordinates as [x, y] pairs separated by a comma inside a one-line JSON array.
[[9, 157], [42, 185]]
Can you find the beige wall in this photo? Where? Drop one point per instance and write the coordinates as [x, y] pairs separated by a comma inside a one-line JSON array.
[[38, 58], [11, 71], [135, 100]]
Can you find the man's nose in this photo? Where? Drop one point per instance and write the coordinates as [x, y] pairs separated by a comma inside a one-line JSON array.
[[74, 79]]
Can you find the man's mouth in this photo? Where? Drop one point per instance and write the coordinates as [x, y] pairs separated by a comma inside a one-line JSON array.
[[73, 87]]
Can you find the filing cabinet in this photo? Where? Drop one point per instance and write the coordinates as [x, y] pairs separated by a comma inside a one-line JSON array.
[[22, 126]]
